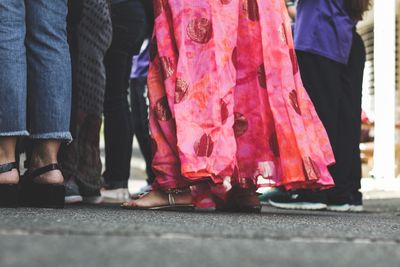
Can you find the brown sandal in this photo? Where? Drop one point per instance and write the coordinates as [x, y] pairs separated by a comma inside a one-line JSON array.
[[172, 206]]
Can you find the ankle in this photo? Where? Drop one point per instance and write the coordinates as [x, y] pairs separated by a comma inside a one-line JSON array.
[[38, 161], [11, 177]]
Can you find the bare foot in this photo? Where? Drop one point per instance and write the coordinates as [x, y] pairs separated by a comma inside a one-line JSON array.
[[11, 177], [159, 199]]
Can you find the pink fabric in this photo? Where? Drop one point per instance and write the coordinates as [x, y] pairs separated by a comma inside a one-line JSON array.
[[227, 102]]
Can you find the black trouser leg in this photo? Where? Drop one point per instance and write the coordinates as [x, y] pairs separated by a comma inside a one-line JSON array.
[[324, 81], [335, 90], [129, 30], [355, 68], [141, 122]]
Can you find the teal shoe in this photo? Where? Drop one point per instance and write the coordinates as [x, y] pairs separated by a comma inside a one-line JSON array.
[[272, 192]]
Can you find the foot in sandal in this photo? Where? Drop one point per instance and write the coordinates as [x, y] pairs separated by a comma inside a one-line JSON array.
[[159, 200]]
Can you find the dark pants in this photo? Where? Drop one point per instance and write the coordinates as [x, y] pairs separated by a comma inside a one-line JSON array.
[[130, 27], [140, 122], [335, 90]]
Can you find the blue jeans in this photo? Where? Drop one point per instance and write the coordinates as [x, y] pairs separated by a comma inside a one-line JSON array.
[[35, 69]]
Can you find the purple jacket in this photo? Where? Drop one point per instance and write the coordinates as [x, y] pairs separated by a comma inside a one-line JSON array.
[[323, 27]]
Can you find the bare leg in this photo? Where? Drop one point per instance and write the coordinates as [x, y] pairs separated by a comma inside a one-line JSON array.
[[45, 153], [159, 198], [7, 155]]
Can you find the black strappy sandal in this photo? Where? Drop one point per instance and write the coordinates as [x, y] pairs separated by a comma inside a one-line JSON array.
[[39, 195], [8, 192]]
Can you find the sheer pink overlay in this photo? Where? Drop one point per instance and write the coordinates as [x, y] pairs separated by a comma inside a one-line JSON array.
[[226, 100]]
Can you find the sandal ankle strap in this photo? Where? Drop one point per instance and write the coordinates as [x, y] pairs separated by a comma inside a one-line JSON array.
[[33, 174], [8, 167], [171, 199], [175, 191]]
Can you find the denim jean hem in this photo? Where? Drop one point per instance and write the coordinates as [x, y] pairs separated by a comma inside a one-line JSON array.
[[16, 133], [64, 136]]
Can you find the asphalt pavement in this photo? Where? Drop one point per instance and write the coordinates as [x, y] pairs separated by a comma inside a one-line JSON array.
[[107, 235]]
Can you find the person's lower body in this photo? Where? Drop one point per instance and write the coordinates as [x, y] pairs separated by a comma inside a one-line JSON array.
[[35, 79], [90, 36], [129, 30], [140, 120], [228, 112], [335, 90]]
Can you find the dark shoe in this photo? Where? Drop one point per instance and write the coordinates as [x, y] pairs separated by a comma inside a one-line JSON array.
[[300, 200], [92, 197], [242, 200], [273, 192], [34, 194], [72, 194], [339, 202], [90, 194], [8, 192], [348, 203], [356, 202]]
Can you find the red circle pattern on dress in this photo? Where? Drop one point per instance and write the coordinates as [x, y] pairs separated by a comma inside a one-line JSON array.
[[293, 58], [234, 57], [294, 101], [167, 67], [262, 80], [224, 112], [311, 169], [251, 10], [162, 111], [158, 7], [200, 30], [181, 90], [273, 143], [225, 2], [204, 147], [241, 124]]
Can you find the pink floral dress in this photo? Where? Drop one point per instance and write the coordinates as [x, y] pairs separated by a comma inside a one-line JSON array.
[[227, 104]]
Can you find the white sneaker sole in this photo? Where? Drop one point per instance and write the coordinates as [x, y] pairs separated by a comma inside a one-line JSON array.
[[356, 208], [73, 199], [339, 208], [346, 208], [299, 205], [93, 200]]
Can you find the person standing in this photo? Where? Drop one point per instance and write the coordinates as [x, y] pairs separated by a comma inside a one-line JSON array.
[[228, 111], [90, 32], [131, 22], [139, 107], [35, 99], [331, 57]]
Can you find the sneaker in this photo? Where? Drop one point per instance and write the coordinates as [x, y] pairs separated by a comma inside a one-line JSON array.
[[300, 200], [273, 192], [72, 194], [116, 196], [338, 201], [93, 198], [344, 207], [356, 202]]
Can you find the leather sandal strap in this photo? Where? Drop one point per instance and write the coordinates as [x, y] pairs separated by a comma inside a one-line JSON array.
[[171, 199], [33, 174], [8, 167]]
